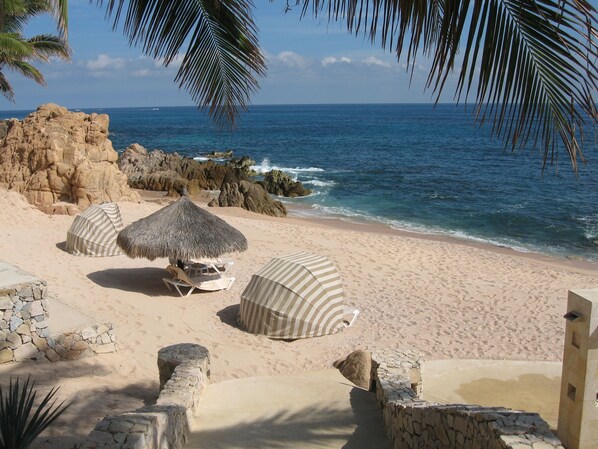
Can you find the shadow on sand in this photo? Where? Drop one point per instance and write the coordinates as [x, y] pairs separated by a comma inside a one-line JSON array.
[[147, 280], [73, 426], [310, 427], [229, 315]]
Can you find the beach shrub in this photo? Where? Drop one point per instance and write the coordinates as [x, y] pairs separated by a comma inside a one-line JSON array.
[[20, 421]]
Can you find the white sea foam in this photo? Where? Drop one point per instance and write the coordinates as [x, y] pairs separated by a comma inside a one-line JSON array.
[[360, 217], [265, 166], [590, 224], [201, 158], [319, 183]]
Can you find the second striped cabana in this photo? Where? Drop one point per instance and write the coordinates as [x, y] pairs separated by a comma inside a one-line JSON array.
[[295, 296], [93, 233]]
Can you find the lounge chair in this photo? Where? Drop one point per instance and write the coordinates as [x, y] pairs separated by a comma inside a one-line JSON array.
[[209, 266], [205, 282], [205, 266], [350, 315]]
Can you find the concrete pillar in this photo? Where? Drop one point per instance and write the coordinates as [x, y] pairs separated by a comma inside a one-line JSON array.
[[578, 409]]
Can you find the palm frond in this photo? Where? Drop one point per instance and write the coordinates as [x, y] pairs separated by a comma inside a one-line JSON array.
[[218, 39], [531, 63], [18, 427], [60, 9], [46, 45], [6, 88], [13, 45], [25, 69]]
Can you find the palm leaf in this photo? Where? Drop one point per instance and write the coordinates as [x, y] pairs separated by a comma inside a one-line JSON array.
[[18, 427], [46, 45], [25, 69], [218, 39], [12, 46], [536, 59], [6, 88]]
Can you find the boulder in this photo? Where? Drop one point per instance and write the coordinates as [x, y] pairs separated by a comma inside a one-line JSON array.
[[251, 197], [157, 170], [281, 184], [55, 155], [219, 154], [357, 367], [244, 164]]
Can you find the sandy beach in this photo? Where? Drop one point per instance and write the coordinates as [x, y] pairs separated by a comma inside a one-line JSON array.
[[446, 299]]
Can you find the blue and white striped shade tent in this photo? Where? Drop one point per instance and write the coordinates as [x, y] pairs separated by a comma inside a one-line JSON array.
[[93, 232], [295, 296]]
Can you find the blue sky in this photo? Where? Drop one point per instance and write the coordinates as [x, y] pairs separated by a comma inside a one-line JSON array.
[[309, 61]]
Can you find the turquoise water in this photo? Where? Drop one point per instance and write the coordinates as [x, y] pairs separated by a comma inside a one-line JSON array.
[[411, 167]]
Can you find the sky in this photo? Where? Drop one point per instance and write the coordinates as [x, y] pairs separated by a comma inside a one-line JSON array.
[[309, 62]]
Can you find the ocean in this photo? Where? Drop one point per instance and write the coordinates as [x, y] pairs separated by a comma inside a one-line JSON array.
[[411, 167]]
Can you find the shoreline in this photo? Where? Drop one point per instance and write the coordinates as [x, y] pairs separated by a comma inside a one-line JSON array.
[[579, 265]]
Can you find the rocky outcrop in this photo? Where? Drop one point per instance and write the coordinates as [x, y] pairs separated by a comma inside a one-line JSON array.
[[281, 184], [249, 196], [219, 154], [157, 170], [55, 155], [244, 164]]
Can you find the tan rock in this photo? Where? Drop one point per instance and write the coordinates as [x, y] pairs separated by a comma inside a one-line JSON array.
[[27, 351], [357, 368], [6, 355], [55, 155]]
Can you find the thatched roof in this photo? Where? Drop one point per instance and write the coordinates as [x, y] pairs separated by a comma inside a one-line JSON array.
[[182, 230]]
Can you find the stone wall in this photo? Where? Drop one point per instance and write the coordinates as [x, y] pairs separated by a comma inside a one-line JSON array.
[[411, 422], [24, 324], [184, 374]]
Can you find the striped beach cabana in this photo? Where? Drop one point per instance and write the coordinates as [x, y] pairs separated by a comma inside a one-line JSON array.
[[295, 296], [93, 233]]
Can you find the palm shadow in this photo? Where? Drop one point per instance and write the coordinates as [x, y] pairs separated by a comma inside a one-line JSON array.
[[324, 426], [72, 428], [147, 280]]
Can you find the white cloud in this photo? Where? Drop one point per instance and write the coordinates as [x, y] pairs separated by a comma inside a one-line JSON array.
[[329, 60], [103, 62], [413, 64], [175, 63], [142, 73], [291, 59], [371, 60]]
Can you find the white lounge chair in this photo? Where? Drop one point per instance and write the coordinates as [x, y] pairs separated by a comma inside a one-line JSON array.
[[205, 282], [209, 266], [205, 266]]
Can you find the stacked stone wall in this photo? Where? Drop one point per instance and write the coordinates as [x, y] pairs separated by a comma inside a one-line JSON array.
[[184, 373], [411, 422], [25, 333]]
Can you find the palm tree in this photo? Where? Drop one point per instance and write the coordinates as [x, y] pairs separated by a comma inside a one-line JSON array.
[[18, 53], [530, 65]]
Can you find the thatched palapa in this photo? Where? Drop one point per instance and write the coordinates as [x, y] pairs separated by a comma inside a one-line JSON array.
[[180, 230]]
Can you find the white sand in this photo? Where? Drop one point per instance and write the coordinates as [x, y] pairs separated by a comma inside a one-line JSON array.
[[445, 299]]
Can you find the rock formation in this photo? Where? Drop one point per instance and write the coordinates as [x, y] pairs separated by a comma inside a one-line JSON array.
[[281, 184], [219, 154], [249, 196], [55, 155], [156, 170]]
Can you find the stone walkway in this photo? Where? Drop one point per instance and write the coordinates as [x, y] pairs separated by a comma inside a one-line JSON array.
[[309, 410]]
